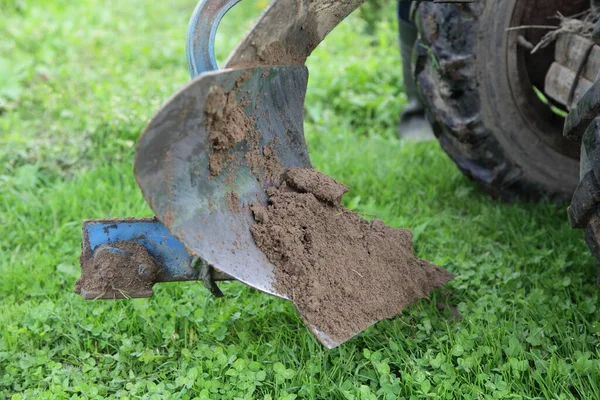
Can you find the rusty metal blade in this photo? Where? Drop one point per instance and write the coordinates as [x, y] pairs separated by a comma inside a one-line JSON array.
[[172, 166], [289, 30]]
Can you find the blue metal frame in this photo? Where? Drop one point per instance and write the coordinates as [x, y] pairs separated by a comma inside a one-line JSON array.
[[202, 31], [174, 261]]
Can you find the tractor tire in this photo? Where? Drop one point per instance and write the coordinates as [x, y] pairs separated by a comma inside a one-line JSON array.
[[584, 211], [477, 83]]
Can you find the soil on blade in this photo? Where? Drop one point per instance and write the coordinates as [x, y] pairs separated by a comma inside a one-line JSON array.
[[227, 126], [343, 273], [233, 201], [118, 274], [320, 185]]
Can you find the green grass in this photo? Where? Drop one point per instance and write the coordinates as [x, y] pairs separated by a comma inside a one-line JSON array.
[[78, 82]]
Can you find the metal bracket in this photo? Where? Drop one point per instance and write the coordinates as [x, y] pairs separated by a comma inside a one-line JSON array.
[[202, 31], [205, 20], [169, 262]]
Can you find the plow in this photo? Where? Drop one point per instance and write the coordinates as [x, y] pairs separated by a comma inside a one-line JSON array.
[[225, 167]]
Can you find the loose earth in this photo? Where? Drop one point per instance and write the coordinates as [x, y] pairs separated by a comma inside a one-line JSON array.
[[342, 272]]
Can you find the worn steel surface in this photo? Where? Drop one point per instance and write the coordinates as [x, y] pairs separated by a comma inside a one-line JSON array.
[[202, 31], [296, 26], [172, 157], [200, 225]]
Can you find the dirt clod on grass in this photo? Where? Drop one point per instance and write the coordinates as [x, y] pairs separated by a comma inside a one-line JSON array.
[[130, 273], [343, 273]]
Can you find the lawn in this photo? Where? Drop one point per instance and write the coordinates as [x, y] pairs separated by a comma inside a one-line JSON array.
[[79, 81]]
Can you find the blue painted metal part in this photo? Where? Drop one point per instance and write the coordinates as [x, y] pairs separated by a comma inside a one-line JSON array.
[[172, 166], [202, 31], [174, 261]]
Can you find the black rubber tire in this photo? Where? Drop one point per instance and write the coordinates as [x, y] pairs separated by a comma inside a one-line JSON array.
[[460, 63], [584, 210]]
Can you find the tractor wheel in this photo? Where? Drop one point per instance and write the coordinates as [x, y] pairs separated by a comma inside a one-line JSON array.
[[584, 212], [483, 91]]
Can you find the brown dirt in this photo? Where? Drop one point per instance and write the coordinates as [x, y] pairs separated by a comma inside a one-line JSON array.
[[312, 181], [343, 273], [264, 164], [293, 49], [233, 201], [281, 53], [290, 43], [117, 275], [227, 126]]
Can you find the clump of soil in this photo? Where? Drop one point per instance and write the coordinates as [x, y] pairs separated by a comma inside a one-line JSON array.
[[129, 273], [281, 53], [227, 125], [342, 272], [312, 181], [263, 162], [233, 201]]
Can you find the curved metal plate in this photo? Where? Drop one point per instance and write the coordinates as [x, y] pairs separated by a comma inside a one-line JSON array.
[[171, 166], [289, 30], [202, 31], [285, 34]]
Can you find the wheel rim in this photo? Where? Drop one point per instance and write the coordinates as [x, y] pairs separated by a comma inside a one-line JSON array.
[[527, 72]]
